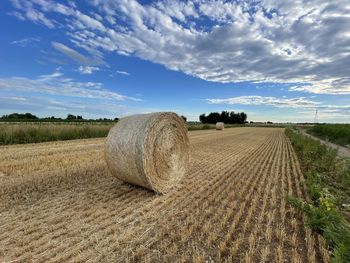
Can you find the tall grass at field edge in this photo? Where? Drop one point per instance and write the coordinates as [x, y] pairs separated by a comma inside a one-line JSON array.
[[336, 133], [34, 133], [328, 184], [11, 133], [21, 133]]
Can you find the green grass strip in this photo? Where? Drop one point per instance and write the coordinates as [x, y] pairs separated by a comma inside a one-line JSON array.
[[328, 183]]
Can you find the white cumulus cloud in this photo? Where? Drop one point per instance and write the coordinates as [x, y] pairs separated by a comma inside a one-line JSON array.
[[57, 84], [304, 41], [75, 55], [25, 41], [123, 72], [87, 69], [299, 102]]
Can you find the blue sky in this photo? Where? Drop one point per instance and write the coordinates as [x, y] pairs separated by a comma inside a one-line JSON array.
[[275, 60]]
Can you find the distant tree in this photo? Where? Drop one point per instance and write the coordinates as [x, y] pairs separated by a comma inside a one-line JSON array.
[[214, 117], [30, 116], [242, 118], [202, 118], [116, 119], [71, 117], [184, 118], [20, 116], [233, 118], [224, 116]]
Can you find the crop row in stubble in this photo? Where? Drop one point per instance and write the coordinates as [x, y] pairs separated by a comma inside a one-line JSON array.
[[230, 206]]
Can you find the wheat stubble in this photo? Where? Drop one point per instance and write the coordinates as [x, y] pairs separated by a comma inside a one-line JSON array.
[[58, 203]]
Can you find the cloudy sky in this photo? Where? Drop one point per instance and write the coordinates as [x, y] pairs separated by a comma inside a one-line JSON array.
[[275, 60]]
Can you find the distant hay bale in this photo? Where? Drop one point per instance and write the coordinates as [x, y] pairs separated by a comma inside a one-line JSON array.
[[219, 126], [149, 150]]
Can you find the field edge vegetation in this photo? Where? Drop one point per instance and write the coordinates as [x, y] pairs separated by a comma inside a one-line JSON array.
[[43, 132], [21, 133], [336, 133], [327, 180]]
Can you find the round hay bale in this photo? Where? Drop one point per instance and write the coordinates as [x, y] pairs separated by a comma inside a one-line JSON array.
[[149, 150], [219, 126]]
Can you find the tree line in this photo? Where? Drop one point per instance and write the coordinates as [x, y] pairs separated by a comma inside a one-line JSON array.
[[32, 117], [225, 116]]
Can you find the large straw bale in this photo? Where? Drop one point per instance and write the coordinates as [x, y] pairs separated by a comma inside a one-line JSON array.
[[149, 150], [219, 126]]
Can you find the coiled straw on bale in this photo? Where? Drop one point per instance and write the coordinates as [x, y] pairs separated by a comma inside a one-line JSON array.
[[219, 126], [149, 150]]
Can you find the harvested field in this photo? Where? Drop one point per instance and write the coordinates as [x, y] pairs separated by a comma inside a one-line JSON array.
[[58, 203]]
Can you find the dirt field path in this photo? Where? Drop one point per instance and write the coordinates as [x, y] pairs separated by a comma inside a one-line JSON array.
[[58, 203]]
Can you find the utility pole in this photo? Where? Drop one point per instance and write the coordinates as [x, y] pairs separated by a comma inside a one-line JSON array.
[[316, 117]]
